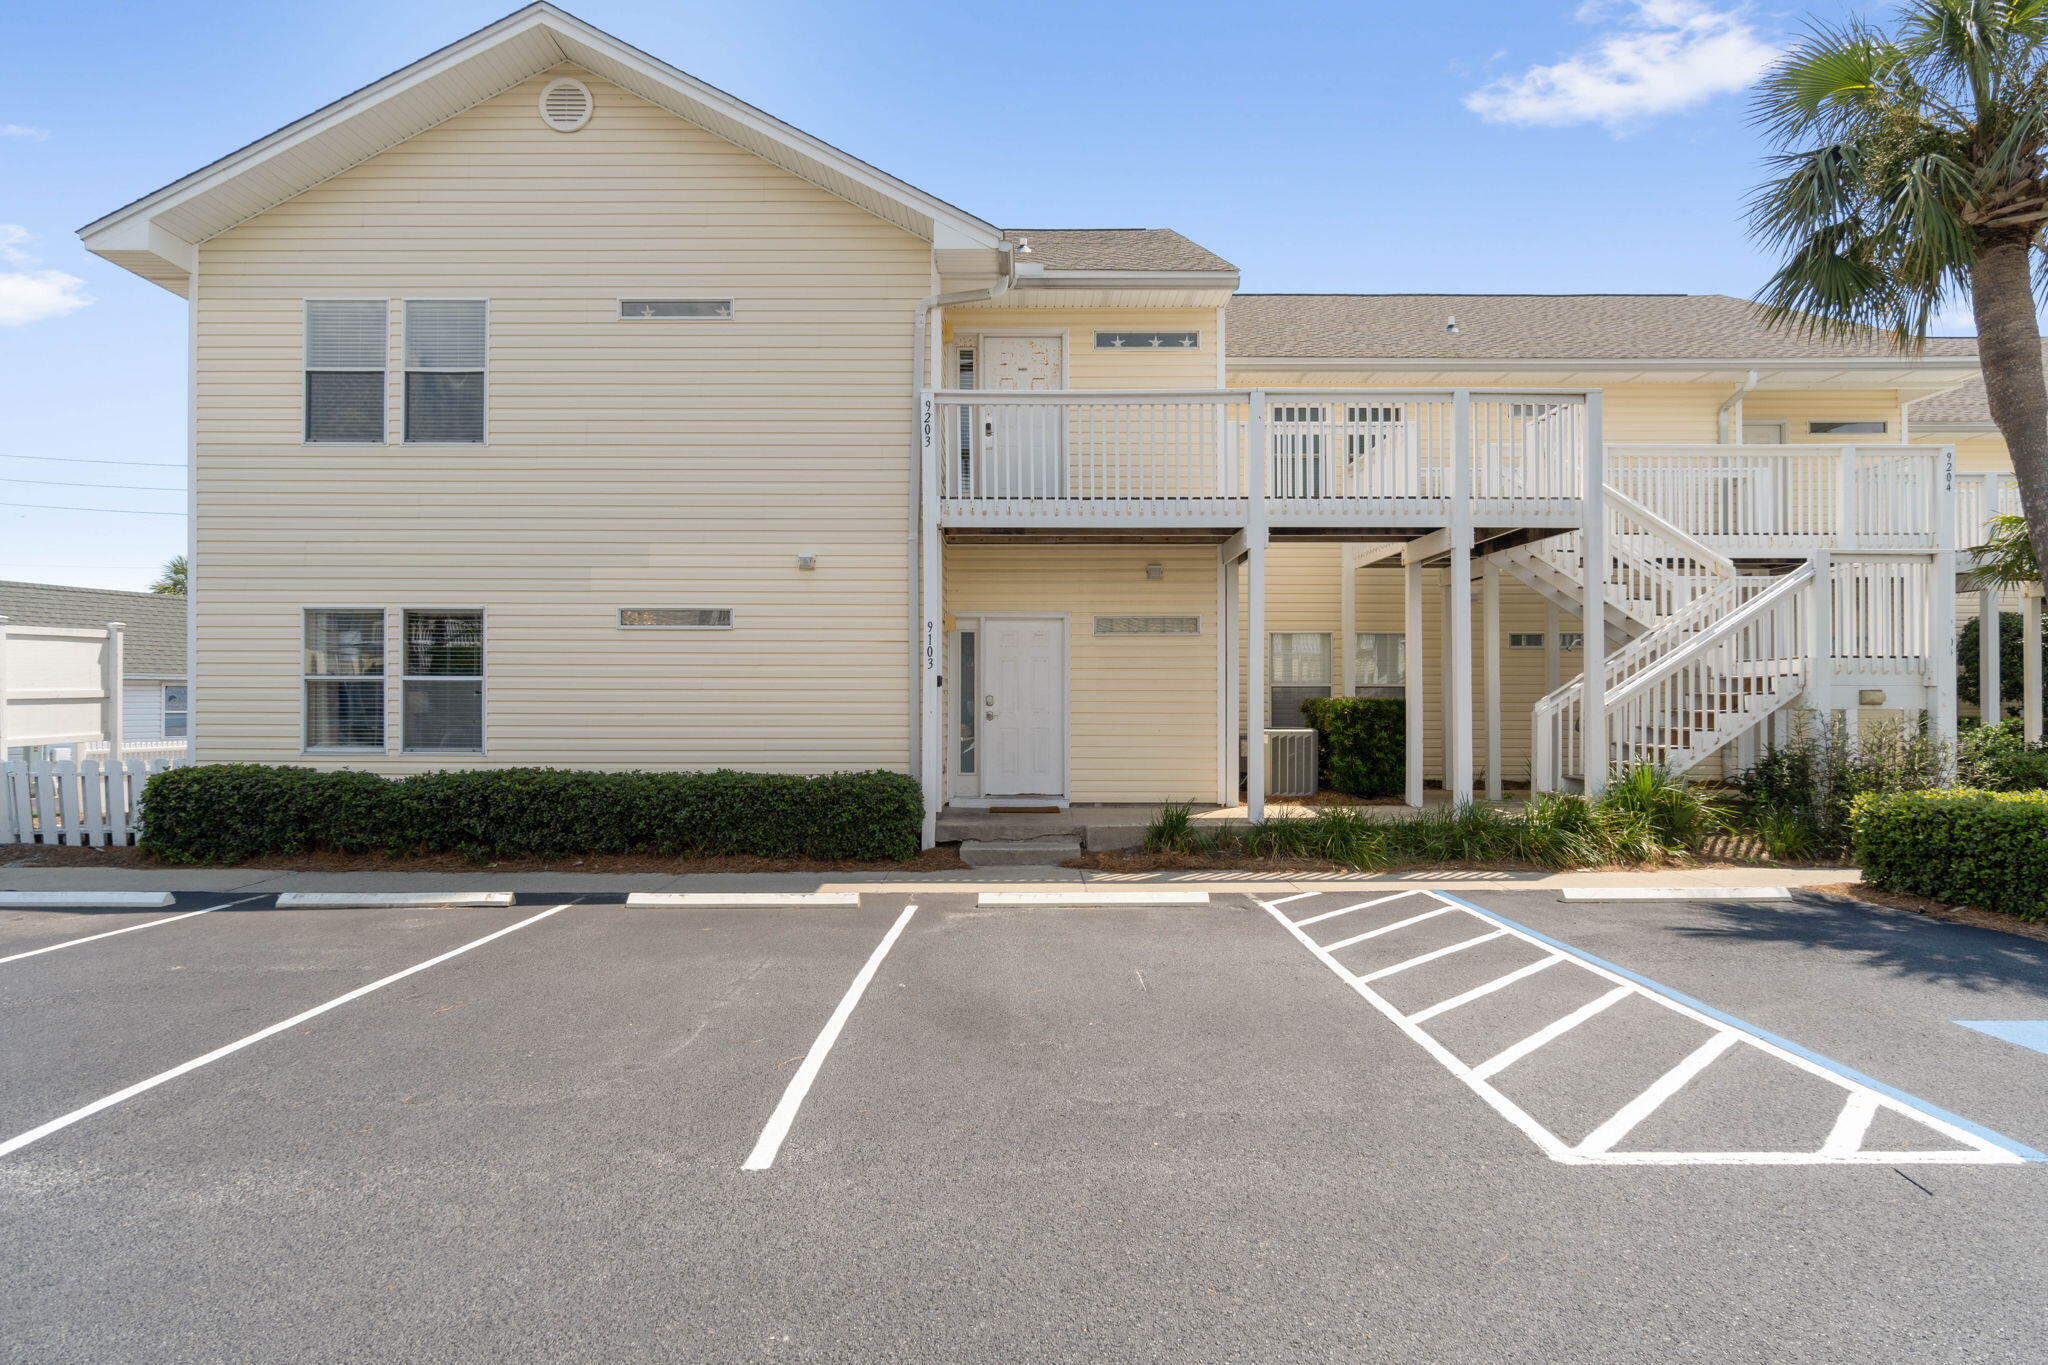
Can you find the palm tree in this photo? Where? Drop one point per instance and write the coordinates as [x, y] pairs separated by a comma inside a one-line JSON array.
[[172, 580], [1913, 170]]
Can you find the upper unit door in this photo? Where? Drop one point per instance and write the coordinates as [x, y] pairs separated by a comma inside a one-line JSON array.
[[1023, 446], [1023, 707]]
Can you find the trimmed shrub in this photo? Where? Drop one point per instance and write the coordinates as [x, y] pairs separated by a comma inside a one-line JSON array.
[[232, 812], [1988, 849], [1998, 758], [1364, 743]]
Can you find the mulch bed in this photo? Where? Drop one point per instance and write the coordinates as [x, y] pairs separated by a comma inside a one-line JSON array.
[[1920, 905], [941, 859]]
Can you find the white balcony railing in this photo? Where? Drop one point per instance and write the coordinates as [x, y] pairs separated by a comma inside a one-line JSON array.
[[1336, 456], [1766, 499]]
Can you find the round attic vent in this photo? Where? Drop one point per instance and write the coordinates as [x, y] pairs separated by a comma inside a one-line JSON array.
[[565, 105]]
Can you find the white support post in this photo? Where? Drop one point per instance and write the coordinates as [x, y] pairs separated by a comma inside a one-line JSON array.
[[1820, 659], [1941, 692], [1489, 622], [1255, 613], [1226, 680], [2030, 667], [1990, 641], [1593, 599], [931, 628], [1458, 637], [1553, 648], [113, 673], [1845, 500], [1347, 616], [3, 697], [1411, 676]]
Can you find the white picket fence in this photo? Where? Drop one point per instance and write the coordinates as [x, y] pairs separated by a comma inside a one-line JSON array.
[[83, 801]]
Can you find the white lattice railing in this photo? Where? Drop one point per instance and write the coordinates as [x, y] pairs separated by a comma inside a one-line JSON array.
[[1680, 693]]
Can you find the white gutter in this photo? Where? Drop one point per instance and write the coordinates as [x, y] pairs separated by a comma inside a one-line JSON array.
[[1728, 420], [922, 355]]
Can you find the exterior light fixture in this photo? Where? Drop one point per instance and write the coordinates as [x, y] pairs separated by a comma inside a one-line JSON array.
[[1155, 571]]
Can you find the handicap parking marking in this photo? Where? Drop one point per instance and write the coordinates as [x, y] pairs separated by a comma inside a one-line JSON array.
[[2027, 1033], [41, 1131], [1863, 1099], [129, 929]]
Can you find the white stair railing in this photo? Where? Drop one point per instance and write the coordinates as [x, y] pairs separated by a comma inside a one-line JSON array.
[[1654, 569], [1681, 693]]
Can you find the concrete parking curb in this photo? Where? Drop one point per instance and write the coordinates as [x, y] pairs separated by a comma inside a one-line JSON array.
[[1675, 893], [324, 900], [136, 900], [684, 899]]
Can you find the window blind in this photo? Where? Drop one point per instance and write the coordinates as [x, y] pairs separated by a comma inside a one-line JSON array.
[[346, 341], [445, 348], [444, 681], [344, 679]]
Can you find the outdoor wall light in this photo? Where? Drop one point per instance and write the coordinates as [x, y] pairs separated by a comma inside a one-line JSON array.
[[807, 562], [1155, 571], [1870, 696]]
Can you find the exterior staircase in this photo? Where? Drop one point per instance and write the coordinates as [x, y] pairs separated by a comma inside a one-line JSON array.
[[1702, 654]]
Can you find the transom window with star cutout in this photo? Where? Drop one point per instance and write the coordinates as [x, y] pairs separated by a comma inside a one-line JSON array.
[[1147, 341]]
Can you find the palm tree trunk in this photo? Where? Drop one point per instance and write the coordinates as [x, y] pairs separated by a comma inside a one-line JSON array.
[[2009, 349]]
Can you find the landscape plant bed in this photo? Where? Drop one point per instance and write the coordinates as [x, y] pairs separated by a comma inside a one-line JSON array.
[[1971, 915], [945, 858], [1140, 861]]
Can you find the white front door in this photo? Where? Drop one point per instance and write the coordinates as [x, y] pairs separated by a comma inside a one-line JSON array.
[[1023, 446], [1023, 687]]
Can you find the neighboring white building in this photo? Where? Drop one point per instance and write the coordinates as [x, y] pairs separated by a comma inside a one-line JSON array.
[[155, 695]]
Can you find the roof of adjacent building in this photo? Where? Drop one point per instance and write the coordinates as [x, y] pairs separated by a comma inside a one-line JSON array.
[[1114, 249], [1537, 327], [1965, 405], [153, 645]]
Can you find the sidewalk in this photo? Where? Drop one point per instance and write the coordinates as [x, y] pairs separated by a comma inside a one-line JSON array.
[[254, 881]]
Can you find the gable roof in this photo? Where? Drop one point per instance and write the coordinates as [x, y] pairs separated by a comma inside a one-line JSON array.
[[155, 235], [1114, 249], [153, 645], [1711, 327]]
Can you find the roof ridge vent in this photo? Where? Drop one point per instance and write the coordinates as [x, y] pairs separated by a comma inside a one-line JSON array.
[[565, 104]]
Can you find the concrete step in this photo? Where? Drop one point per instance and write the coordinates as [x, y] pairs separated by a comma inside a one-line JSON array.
[[1018, 852]]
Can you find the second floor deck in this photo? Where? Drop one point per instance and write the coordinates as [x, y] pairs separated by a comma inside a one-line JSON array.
[[1387, 464]]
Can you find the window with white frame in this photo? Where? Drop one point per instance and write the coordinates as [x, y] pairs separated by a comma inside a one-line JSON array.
[[344, 678], [675, 310], [347, 349], [177, 711], [1379, 659], [1147, 341], [1300, 670], [444, 371], [675, 618], [1521, 639], [444, 681], [1847, 428]]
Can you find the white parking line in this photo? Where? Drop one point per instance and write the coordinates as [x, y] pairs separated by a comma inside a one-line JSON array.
[[770, 1141], [1383, 929], [146, 924], [1362, 905], [1842, 1144], [21, 1140]]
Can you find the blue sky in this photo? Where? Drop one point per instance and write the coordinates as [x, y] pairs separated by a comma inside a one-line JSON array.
[[1496, 146]]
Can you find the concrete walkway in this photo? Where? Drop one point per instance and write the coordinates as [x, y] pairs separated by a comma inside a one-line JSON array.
[[260, 881]]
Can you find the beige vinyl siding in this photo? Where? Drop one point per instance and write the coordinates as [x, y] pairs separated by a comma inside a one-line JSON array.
[[1142, 709], [1088, 368], [1976, 452], [627, 463], [1796, 407]]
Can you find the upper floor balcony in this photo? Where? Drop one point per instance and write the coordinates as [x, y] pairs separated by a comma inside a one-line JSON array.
[[1388, 463], [1305, 459]]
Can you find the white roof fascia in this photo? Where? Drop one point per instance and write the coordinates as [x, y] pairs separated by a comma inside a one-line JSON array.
[[1960, 363], [1130, 279], [131, 237]]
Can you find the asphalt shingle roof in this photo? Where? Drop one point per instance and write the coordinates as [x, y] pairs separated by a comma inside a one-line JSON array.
[[1965, 404], [1534, 327], [1114, 249], [154, 643]]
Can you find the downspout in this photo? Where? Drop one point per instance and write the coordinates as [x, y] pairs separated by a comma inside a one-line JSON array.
[[1728, 420], [923, 359]]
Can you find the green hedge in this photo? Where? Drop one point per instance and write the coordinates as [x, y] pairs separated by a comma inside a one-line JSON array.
[[232, 812], [1364, 742], [1987, 849]]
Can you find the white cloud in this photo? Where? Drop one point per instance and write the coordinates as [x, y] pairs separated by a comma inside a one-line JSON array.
[[24, 131], [1657, 56], [30, 295]]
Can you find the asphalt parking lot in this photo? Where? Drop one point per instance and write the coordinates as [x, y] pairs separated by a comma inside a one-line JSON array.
[[1306, 1128]]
